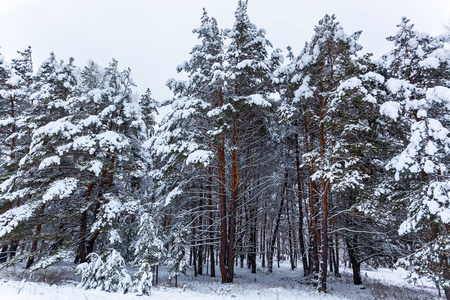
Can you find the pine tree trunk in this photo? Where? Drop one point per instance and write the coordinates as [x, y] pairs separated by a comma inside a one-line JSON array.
[[199, 242], [336, 255], [356, 266], [291, 237], [263, 236], [313, 198], [446, 275], [231, 238], [314, 261], [300, 208], [276, 227], [325, 186], [82, 256], [211, 233], [253, 247], [83, 229], [235, 182], [253, 236], [324, 242], [330, 255], [90, 242], [200, 259], [279, 249], [222, 199], [447, 292], [332, 259], [223, 211], [194, 258], [4, 253], [35, 240]]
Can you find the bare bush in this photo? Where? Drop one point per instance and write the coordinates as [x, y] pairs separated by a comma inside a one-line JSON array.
[[392, 292], [49, 276]]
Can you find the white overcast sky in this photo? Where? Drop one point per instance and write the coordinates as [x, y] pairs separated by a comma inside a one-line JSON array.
[[152, 37]]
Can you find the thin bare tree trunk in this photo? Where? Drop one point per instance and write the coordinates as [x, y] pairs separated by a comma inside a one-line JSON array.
[[4, 253], [35, 240], [211, 233], [200, 243], [223, 212], [291, 237], [336, 257], [446, 275], [277, 225]]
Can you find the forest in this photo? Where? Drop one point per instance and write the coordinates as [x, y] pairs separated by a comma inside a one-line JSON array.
[[322, 158]]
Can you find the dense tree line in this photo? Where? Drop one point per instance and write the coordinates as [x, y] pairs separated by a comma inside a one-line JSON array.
[[312, 158]]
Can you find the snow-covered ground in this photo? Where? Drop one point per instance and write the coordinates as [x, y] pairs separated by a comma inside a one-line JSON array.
[[283, 284]]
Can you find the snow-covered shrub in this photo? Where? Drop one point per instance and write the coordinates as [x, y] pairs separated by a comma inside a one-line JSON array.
[[177, 257], [142, 284], [106, 272], [149, 247]]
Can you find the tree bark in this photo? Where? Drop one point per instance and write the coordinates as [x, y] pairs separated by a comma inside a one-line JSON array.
[[235, 182], [300, 209], [324, 241], [82, 256], [356, 265], [223, 211], [313, 198], [325, 186], [211, 233]]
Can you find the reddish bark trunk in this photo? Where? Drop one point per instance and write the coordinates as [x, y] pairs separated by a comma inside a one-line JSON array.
[[325, 186], [223, 211], [300, 208], [211, 234]]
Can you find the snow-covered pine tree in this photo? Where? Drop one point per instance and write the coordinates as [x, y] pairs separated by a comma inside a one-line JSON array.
[[87, 103], [357, 152], [44, 178], [178, 252], [106, 272], [149, 252], [288, 115], [190, 139], [183, 136], [109, 153], [24, 66], [142, 284], [148, 110], [14, 100], [248, 75], [323, 83], [418, 101], [85, 152]]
